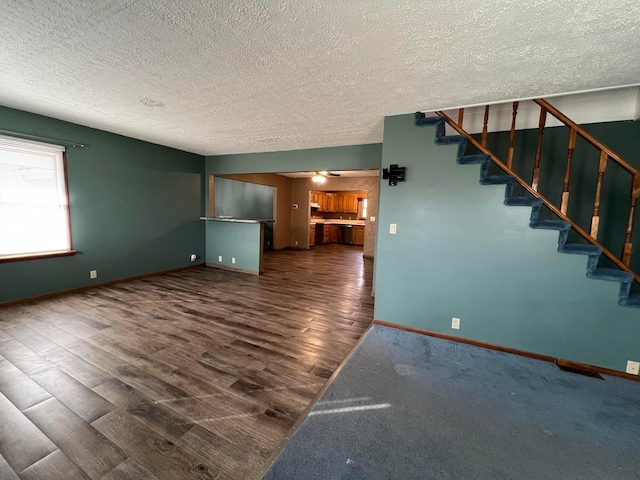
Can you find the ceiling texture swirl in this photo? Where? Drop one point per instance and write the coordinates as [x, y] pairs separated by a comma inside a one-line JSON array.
[[220, 77]]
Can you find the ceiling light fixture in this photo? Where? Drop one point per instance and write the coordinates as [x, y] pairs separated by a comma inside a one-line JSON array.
[[318, 179]]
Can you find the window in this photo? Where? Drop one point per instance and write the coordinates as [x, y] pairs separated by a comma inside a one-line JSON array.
[[364, 208], [34, 210]]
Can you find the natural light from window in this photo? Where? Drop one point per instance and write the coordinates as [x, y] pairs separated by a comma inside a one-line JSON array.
[[34, 214]]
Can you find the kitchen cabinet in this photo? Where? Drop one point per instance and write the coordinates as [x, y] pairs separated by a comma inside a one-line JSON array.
[[322, 201], [331, 202], [358, 235], [333, 234], [335, 202], [324, 234], [312, 234], [350, 203]]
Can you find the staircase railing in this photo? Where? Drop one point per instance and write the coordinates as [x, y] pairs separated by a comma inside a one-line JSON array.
[[605, 155]]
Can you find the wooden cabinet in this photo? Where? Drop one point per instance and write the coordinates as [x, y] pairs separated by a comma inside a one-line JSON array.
[[322, 201], [312, 234], [350, 203], [331, 202], [320, 198], [335, 202], [358, 235], [333, 234], [326, 237]]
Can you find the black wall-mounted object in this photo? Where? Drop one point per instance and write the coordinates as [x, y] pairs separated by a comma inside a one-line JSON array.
[[394, 173]]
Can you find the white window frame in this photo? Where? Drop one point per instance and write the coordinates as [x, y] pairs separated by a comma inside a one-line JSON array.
[[57, 155]]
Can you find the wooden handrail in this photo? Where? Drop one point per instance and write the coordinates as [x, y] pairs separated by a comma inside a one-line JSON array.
[[635, 194], [586, 135]]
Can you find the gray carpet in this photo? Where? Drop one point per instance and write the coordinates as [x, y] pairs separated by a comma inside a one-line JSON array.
[[408, 406]]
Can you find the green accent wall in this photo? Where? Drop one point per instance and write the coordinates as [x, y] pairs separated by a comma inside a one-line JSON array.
[[352, 157], [460, 252], [622, 137], [241, 241], [134, 206], [237, 199]]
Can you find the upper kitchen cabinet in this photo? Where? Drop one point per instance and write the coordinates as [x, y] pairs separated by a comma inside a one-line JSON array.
[[331, 202], [336, 202], [350, 203]]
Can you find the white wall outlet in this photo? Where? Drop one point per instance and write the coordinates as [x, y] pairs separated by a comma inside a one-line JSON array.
[[633, 367], [233, 259], [219, 258], [455, 323], [373, 219], [393, 228], [93, 274], [193, 257]]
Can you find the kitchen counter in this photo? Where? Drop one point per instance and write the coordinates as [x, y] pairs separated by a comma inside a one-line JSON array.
[[336, 221], [236, 220]]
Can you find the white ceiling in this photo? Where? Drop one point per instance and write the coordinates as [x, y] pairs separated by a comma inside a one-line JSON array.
[[231, 76]]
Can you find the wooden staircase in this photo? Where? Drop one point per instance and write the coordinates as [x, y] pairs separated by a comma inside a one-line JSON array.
[[619, 267]]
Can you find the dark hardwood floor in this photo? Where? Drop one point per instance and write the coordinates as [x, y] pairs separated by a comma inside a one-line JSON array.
[[195, 374]]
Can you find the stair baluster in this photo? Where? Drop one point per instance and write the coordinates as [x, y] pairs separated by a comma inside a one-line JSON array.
[[535, 178], [484, 126], [460, 116], [512, 135], [595, 219], [564, 205], [628, 246]]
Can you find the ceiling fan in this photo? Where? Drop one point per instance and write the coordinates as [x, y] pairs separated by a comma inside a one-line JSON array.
[[321, 176]]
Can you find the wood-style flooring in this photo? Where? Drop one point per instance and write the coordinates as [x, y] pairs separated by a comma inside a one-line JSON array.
[[194, 374]]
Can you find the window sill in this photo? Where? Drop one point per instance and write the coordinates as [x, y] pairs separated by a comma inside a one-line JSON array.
[[36, 256]]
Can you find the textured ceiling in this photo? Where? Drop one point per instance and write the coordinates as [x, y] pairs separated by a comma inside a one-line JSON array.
[[225, 76]]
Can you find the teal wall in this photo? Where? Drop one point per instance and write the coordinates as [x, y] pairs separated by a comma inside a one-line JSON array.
[[239, 240], [134, 207], [622, 137], [460, 252], [237, 199], [352, 157]]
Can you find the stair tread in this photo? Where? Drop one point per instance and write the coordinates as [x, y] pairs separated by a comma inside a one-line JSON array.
[[580, 249], [475, 158], [631, 301], [451, 139], [429, 121], [611, 274], [497, 179], [523, 201], [550, 224]]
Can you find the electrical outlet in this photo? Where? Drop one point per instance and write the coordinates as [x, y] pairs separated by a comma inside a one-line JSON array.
[[93, 274], [372, 219], [220, 258], [455, 323], [296, 242], [233, 259], [633, 367], [193, 257], [393, 228]]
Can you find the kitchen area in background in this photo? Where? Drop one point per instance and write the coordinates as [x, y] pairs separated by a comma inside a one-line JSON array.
[[337, 217], [341, 208]]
